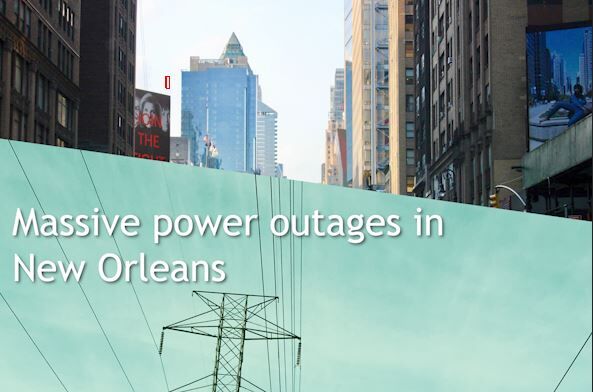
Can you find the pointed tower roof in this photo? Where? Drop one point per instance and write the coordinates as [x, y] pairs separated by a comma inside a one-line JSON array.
[[233, 49]]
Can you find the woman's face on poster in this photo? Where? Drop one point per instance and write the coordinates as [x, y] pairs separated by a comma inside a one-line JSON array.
[[149, 114]]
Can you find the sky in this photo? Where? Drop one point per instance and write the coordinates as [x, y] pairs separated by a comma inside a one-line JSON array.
[[294, 47]]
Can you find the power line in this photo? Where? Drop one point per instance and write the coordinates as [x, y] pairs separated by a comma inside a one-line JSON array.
[[282, 285], [33, 341], [79, 284], [572, 363], [120, 255], [290, 275], [263, 282], [275, 280], [301, 295]]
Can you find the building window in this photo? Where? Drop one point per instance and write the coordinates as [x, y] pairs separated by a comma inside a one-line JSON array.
[[64, 115], [122, 27], [19, 75], [42, 96], [410, 157], [22, 15], [65, 60], [47, 6], [133, 11], [410, 23], [409, 49], [486, 53], [132, 42], [66, 18], [120, 126], [410, 184], [409, 75], [410, 103], [18, 124], [41, 134], [409, 130], [44, 37]]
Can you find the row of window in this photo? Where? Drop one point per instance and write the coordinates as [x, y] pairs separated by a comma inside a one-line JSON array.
[[44, 39], [125, 34], [65, 60], [22, 17], [66, 18], [64, 117], [20, 84], [121, 127], [47, 6]]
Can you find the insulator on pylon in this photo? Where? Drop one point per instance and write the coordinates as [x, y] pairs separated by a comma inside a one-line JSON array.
[[298, 362], [162, 341]]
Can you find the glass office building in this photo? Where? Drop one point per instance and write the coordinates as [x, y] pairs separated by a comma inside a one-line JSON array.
[[219, 109]]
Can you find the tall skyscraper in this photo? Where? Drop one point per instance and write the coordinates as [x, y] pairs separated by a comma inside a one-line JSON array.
[[586, 64], [370, 94], [39, 71], [348, 87], [219, 108], [422, 123], [403, 104], [335, 150], [180, 151], [559, 72], [266, 140], [108, 76], [335, 135], [337, 97]]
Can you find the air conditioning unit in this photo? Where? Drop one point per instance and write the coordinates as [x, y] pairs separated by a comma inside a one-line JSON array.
[[449, 60]]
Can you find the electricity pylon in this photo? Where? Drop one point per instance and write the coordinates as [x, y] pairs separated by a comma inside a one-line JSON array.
[[232, 319]]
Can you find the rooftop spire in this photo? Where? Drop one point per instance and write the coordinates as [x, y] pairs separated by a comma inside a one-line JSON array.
[[233, 49]]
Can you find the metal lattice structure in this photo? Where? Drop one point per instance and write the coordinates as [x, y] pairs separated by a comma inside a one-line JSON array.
[[232, 319]]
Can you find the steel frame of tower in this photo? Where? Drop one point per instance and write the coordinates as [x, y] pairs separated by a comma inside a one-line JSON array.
[[238, 319]]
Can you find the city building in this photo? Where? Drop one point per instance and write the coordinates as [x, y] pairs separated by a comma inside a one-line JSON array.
[[335, 152], [39, 70], [402, 98], [585, 69], [336, 111], [370, 94], [336, 149], [477, 92], [219, 109], [180, 151], [266, 140], [280, 170], [108, 76], [423, 73], [348, 87]]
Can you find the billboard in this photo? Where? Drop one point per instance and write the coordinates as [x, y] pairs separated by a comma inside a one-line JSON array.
[[559, 80], [152, 121]]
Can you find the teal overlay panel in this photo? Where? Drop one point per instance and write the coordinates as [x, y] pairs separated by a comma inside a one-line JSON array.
[[501, 303]]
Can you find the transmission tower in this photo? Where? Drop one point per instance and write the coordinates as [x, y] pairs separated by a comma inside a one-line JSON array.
[[231, 319]]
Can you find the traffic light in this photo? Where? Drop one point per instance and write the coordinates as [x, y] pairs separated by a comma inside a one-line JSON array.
[[494, 200]]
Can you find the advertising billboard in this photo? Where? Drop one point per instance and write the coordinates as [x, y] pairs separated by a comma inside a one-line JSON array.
[[559, 80], [152, 125]]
